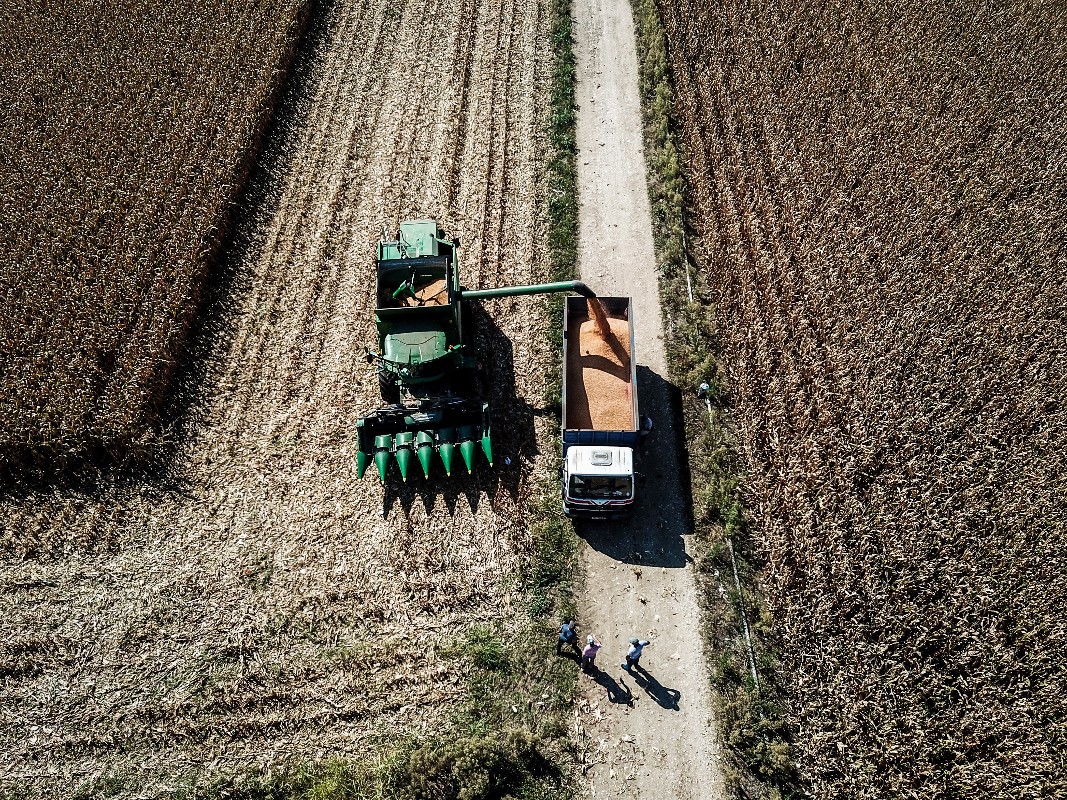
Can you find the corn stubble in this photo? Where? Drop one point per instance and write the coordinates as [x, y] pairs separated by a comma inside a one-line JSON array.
[[126, 135], [879, 198], [255, 607]]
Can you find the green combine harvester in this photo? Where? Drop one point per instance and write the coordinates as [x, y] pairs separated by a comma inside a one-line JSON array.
[[427, 372]]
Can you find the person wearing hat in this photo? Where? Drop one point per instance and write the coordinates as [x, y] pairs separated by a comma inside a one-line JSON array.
[[592, 647], [568, 634], [633, 655]]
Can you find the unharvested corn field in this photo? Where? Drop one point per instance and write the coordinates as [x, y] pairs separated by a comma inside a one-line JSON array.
[[251, 604], [125, 136], [879, 193]]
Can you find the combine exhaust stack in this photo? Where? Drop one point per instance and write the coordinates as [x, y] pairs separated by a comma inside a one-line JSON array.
[[429, 377]]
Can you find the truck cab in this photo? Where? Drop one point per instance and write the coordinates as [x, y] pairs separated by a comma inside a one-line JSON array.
[[598, 481]]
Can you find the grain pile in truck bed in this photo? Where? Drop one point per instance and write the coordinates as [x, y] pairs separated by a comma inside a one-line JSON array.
[[598, 386], [432, 294]]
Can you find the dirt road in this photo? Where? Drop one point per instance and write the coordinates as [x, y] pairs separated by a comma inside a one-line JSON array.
[[647, 734], [255, 603]]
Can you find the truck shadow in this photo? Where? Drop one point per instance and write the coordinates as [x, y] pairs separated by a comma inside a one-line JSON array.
[[513, 437], [652, 536]]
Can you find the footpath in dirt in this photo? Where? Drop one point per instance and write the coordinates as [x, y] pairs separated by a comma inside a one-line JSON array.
[[649, 733]]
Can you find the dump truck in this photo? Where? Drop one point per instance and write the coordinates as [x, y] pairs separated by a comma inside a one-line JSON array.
[[601, 423], [429, 374]]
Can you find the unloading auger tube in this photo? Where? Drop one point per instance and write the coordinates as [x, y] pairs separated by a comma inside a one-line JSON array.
[[427, 373], [538, 288]]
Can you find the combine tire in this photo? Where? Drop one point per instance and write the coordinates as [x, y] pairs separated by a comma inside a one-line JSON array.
[[389, 388]]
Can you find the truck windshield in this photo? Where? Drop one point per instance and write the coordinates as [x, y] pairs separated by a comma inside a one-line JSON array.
[[601, 487]]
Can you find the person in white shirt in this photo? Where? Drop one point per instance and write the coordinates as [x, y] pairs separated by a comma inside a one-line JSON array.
[[633, 655]]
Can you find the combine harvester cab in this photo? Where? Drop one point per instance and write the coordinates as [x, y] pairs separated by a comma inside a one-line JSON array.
[[427, 371]]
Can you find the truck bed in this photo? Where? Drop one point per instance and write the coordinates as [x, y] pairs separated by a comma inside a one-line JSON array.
[[598, 385]]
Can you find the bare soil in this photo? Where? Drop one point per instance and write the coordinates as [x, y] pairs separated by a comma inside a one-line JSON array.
[[651, 733], [255, 603]]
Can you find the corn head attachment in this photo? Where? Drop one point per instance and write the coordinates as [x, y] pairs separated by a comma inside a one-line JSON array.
[[446, 430], [429, 379]]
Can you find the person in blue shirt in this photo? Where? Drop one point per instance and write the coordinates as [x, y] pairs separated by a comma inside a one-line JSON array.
[[633, 655], [568, 634]]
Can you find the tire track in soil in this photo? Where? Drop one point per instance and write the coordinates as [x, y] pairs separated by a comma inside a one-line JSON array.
[[307, 338], [489, 129], [502, 235], [315, 332], [493, 209], [409, 117], [281, 235], [299, 300], [462, 60], [259, 604]]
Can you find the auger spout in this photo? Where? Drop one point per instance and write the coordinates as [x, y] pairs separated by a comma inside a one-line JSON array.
[[536, 288]]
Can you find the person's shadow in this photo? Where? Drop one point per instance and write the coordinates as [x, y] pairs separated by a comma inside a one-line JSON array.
[[667, 698], [570, 651], [616, 694]]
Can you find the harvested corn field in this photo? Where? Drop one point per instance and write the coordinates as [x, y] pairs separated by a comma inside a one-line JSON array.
[[125, 136], [878, 193], [255, 605]]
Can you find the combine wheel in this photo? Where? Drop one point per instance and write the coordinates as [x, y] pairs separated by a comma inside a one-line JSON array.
[[388, 386]]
